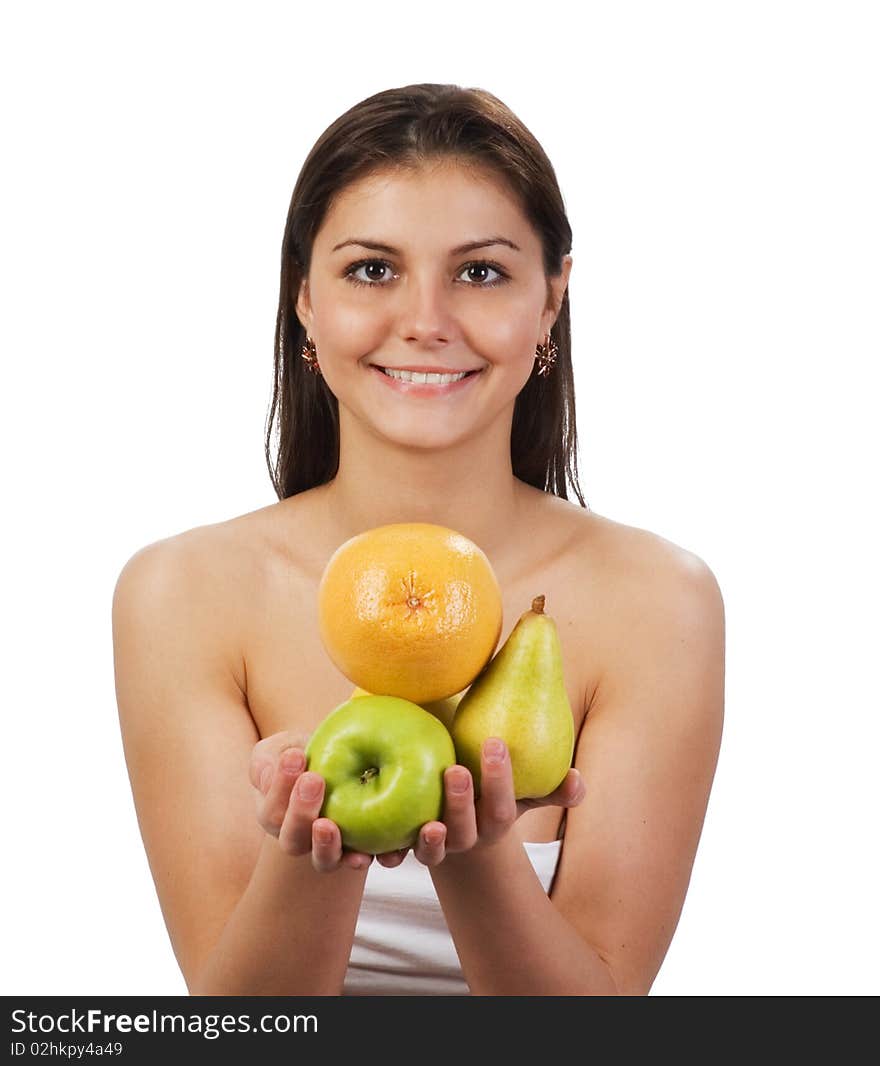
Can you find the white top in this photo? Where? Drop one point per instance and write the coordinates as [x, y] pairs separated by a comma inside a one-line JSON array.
[[402, 946]]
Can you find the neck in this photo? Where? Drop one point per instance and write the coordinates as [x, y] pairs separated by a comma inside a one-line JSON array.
[[469, 487]]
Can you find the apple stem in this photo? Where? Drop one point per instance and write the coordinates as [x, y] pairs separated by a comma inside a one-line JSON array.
[[371, 771], [538, 605]]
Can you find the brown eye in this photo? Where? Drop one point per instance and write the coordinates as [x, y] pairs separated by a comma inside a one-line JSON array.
[[478, 275], [376, 271]]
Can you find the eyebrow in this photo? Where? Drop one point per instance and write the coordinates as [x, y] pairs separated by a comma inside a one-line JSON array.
[[469, 246]]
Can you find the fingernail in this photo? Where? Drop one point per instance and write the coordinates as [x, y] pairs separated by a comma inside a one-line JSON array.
[[494, 750], [324, 835], [458, 783], [309, 787], [433, 839], [293, 762], [266, 778]]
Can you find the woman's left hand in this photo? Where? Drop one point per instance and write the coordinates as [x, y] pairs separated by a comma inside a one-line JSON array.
[[469, 823]]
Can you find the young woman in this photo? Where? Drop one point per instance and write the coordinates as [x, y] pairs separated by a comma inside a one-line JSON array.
[[426, 234]]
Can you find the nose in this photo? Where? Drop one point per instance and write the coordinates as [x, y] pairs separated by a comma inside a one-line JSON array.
[[426, 315]]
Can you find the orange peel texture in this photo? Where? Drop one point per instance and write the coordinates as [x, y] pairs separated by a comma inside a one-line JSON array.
[[411, 610]]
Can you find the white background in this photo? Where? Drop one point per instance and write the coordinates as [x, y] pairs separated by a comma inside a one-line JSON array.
[[719, 162]]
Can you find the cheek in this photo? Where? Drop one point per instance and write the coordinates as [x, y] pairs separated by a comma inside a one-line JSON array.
[[345, 323], [505, 337], [348, 328]]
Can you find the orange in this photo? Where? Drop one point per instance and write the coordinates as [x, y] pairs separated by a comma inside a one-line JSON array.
[[410, 610]]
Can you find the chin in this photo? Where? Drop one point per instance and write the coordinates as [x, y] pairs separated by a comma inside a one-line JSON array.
[[417, 439], [418, 434]]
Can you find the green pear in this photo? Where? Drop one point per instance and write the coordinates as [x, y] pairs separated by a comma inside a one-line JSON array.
[[520, 697]]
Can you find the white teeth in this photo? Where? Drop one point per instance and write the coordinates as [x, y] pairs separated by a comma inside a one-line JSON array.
[[423, 379]]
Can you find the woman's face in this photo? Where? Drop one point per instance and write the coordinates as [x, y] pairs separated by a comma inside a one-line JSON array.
[[425, 303]]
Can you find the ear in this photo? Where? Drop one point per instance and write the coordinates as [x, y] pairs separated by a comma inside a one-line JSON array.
[[304, 306], [555, 293]]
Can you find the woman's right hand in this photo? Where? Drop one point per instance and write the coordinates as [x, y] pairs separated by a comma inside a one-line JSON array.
[[289, 800]]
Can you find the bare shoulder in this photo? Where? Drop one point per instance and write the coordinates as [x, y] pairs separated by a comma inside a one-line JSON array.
[[203, 578], [204, 548], [626, 565], [646, 591], [222, 558], [643, 560]]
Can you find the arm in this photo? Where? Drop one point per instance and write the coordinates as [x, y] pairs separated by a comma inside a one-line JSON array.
[[647, 753], [245, 915]]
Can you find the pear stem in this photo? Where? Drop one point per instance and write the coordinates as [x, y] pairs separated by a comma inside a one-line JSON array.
[[538, 605]]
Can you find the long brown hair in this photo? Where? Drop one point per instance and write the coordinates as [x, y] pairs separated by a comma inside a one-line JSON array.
[[407, 127]]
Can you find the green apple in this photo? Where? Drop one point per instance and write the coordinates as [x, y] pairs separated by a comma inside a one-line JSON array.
[[382, 759]]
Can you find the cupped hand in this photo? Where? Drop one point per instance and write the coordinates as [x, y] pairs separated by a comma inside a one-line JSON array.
[[469, 822], [289, 800]]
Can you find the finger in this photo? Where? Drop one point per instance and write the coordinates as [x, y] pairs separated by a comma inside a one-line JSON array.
[[390, 859], [496, 809], [459, 813], [569, 793], [326, 845], [266, 752], [430, 847], [304, 807], [277, 783]]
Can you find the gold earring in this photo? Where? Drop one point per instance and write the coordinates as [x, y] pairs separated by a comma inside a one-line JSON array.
[[546, 355], [310, 355]]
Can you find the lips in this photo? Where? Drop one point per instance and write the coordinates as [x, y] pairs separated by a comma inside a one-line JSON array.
[[427, 388]]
